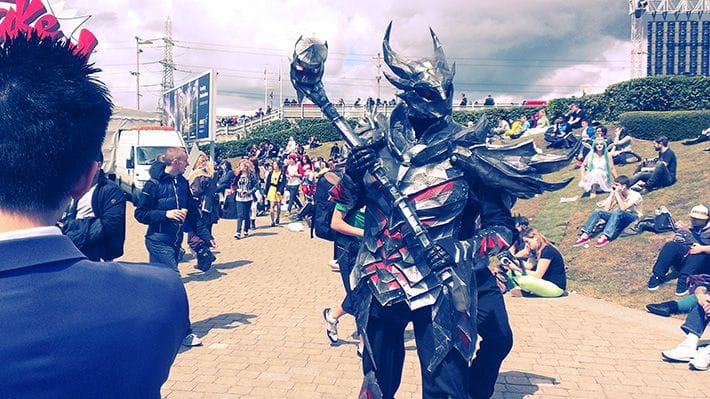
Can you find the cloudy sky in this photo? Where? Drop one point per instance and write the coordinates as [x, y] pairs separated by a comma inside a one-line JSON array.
[[512, 49]]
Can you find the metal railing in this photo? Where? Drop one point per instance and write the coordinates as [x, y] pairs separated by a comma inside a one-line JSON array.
[[311, 111]]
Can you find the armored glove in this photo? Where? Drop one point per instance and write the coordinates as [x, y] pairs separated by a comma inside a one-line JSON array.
[[360, 161], [438, 258]]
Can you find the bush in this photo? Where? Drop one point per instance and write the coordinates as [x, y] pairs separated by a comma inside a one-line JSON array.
[[593, 105], [676, 125], [658, 93], [510, 114], [653, 93], [278, 133]]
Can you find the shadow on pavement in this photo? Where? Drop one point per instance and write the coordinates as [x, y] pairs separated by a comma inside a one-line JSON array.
[[225, 321], [214, 272], [262, 234], [519, 384]]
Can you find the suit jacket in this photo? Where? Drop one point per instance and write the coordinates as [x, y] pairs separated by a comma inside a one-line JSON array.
[[74, 328]]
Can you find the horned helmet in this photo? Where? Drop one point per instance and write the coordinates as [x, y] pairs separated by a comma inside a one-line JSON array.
[[427, 84]]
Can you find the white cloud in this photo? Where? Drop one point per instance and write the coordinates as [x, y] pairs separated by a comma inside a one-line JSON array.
[[511, 49]]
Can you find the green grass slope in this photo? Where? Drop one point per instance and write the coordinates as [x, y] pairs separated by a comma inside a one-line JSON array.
[[619, 271]]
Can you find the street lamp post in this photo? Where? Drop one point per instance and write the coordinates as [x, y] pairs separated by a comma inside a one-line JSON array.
[[137, 72]]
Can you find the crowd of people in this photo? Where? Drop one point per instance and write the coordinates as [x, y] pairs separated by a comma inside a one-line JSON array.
[[686, 257], [243, 118], [62, 223]]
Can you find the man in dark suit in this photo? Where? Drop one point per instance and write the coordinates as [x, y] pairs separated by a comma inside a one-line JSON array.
[[73, 328]]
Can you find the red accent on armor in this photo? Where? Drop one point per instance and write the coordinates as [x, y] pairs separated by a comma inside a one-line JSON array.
[[484, 248], [396, 236], [491, 243], [366, 393], [434, 191], [464, 338], [501, 241], [428, 222], [395, 255], [394, 285], [371, 267]]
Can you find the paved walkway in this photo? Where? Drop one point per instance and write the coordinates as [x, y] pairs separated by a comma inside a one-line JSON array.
[[259, 315]]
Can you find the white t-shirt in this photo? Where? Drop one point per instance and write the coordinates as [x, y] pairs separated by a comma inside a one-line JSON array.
[[292, 177], [83, 206], [633, 197]]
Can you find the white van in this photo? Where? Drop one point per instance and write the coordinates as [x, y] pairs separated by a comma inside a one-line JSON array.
[[136, 149]]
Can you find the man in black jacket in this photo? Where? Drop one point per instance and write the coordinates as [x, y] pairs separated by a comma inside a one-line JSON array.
[[96, 223], [165, 205]]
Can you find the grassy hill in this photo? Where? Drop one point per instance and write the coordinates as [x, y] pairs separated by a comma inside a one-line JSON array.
[[619, 271]]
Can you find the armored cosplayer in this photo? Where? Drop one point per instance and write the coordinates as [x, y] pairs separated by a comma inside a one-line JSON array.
[[437, 206]]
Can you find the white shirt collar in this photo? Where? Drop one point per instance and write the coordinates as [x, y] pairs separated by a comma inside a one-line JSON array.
[[31, 232]]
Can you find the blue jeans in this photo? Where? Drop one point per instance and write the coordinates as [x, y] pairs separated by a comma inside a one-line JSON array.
[[616, 221], [696, 322], [166, 255], [293, 197], [243, 216], [162, 253]]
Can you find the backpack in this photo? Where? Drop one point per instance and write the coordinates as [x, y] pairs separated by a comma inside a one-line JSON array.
[[323, 205], [661, 222]]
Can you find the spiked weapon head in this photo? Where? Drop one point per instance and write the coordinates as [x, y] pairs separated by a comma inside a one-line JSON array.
[[308, 64]]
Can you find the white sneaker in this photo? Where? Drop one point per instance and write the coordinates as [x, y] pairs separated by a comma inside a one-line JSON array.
[[701, 361], [681, 353], [191, 340], [331, 326]]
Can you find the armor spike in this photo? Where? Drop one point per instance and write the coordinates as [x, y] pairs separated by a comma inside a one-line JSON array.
[[439, 51], [398, 64], [453, 69], [397, 82]]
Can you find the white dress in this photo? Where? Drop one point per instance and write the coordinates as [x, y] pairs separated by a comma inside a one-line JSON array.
[[597, 175]]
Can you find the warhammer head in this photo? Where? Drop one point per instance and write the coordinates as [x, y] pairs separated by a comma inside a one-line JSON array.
[[427, 84]]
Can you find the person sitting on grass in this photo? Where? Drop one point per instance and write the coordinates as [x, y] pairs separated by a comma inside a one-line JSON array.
[[703, 137], [598, 171], [661, 173], [620, 150], [687, 254], [524, 126], [547, 277], [515, 128], [679, 306], [621, 208], [503, 126], [693, 327]]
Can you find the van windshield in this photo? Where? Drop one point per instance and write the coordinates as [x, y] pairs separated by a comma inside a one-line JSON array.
[[148, 155]]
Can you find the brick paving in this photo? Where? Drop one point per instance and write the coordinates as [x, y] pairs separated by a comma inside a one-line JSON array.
[[259, 315]]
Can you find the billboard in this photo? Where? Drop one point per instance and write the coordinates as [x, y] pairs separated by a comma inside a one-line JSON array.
[[189, 108]]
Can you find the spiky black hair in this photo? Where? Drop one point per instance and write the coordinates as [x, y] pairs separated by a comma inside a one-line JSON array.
[[53, 118]]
